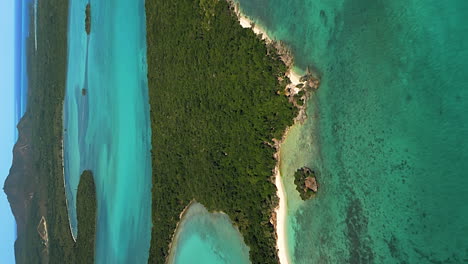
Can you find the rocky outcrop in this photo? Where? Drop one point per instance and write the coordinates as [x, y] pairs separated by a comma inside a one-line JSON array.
[[306, 182], [311, 184], [310, 80]]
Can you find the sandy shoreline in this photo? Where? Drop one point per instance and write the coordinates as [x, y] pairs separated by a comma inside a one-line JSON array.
[[281, 213], [66, 199], [281, 210], [63, 176], [245, 22], [175, 235]]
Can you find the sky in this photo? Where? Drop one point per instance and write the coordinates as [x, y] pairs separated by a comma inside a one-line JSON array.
[[7, 125]]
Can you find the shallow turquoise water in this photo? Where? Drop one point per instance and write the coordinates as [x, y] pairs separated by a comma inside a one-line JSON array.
[[387, 129], [108, 130], [208, 238]]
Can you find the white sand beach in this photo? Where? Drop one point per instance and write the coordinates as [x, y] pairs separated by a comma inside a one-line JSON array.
[[281, 210]]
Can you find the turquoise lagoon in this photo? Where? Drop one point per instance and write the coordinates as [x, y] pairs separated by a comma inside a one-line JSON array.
[[207, 238], [108, 130], [387, 130]]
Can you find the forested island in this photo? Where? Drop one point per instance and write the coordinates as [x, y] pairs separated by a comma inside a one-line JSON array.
[[88, 19], [86, 209], [217, 101], [306, 182]]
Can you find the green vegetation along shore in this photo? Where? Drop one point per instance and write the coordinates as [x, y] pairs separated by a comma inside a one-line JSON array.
[[34, 186], [86, 210], [217, 101]]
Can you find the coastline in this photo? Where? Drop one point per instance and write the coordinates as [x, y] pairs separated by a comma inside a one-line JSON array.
[[179, 227], [280, 212], [175, 235], [264, 249], [65, 193], [246, 22]]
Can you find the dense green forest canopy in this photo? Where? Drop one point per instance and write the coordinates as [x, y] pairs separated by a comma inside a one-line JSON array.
[[88, 19], [86, 209], [216, 104]]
